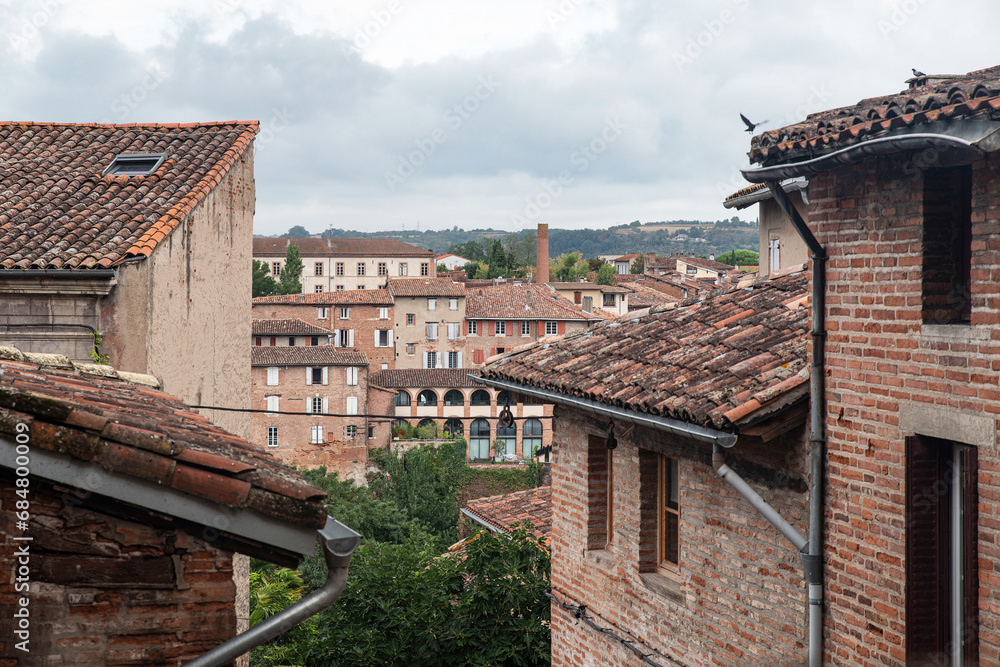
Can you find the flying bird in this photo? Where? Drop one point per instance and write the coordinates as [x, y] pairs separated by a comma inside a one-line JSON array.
[[750, 126], [917, 72]]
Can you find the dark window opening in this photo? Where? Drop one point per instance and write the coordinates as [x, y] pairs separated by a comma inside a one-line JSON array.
[[947, 246], [942, 555], [139, 164]]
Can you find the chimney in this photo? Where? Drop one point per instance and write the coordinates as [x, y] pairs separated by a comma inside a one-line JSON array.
[[542, 260]]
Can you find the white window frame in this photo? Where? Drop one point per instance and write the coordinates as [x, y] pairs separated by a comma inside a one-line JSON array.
[[526, 328], [275, 269], [345, 313], [339, 269], [402, 268], [411, 320], [500, 327], [316, 435], [454, 330], [454, 360], [383, 269], [473, 327], [431, 304], [273, 403], [318, 268], [272, 436], [379, 333], [425, 269], [351, 376], [383, 313], [361, 268], [321, 313], [432, 331], [352, 405], [340, 288], [410, 348], [352, 431], [551, 328], [325, 375], [273, 378], [453, 303], [431, 359], [318, 289]]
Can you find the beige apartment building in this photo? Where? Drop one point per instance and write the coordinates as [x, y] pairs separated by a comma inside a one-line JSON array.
[[430, 323], [780, 246], [330, 265], [613, 299]]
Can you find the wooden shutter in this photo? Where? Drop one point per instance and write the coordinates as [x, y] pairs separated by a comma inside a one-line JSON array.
[[309, 376], [562, 328], [350, 338], [926, 550], [336, 337], [326, 375], [326, 405], [511, 331]]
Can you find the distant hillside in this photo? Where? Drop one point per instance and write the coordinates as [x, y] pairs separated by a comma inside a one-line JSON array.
[[702, 238]]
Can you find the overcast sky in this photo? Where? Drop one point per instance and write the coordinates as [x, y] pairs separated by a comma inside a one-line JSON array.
[[389, 114]]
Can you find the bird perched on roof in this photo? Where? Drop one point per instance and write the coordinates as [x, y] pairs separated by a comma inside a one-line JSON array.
[[750, 126], [917, 72]]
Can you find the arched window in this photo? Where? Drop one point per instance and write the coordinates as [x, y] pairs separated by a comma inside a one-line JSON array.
[[453, 428], [503, 397], [507, 437], [427, 429], [454, 397], [531, 438], [479, 439], [402, 398], [427, 397], [480, 397]]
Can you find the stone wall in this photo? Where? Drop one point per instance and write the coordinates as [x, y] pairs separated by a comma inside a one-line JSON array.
[[108, 591]]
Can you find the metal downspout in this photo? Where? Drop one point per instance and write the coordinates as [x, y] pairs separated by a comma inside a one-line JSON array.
[[813, 561], [338, 542]]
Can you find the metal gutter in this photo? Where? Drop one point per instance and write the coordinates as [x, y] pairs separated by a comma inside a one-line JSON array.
[[338, 542], [95, 479], [862, 151], [481, 522], [674, 426], [762, 194], [74, 274]]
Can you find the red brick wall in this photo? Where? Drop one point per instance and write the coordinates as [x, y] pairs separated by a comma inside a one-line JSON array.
[[740, 597], [884, 364], [363, 320], [109, 591]]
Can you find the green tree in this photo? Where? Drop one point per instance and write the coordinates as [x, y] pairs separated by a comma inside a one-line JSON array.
[[470, 250], [595, 263], [441, 268], [498, 261], [291, 272], [297, 232], [606, 275], [263, 283], [565, 269], [739, 258], [638, 265]]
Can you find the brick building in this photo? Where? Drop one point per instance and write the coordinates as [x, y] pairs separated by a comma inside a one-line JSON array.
[[502, 317], [655, 419], [135, 508], [359, 320], [902, 200], [460, 406], [330, 265], [288, 333], [310, 395], [430, 323]]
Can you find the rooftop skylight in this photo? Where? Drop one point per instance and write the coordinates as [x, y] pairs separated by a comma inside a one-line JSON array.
[[134, 164]]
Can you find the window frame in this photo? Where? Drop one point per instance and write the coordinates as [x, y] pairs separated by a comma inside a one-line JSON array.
[[526, 327], [383, 269], [272, 436], [665, 466], [361, 268], [425, 269], [339, 269], [500, 327], [318, 269], [551, 328], [345, 313], [316, 435]]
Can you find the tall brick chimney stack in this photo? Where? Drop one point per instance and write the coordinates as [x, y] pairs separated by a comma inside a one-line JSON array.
[[542, 260]]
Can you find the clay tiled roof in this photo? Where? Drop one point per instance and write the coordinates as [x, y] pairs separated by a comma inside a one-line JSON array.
[[340, 248], [659, 262], [604, 289], [413, 378], [932, 98], [502, 512], [284, 327], [425, 287], [758, 192], [520, 302], [643, 297], [320, 355], [626, 258], [354, 297], [716, 362], [58, 212], [117, 420], [708, 264]]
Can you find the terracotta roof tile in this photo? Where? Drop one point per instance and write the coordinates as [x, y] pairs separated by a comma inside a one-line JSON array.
[[375, 247], [643, 297], [400, 378], [674, 361], [58, 212], [931, 98], [147, 435], [520, 301], [709, 264], [502, 512], [289, 326], [425, 287], [354, 297], [320, 355], [605, 289]]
